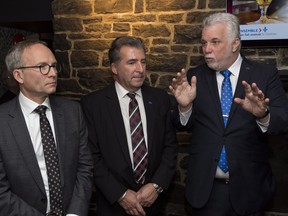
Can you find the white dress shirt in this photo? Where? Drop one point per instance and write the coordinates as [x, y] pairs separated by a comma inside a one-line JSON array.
[[124, 101]]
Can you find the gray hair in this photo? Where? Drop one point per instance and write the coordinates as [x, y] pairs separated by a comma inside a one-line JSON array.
[[14, 59], [118, 43], [232, 22]]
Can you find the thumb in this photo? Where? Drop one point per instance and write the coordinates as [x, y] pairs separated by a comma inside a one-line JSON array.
[[193, 81], [239, 101]]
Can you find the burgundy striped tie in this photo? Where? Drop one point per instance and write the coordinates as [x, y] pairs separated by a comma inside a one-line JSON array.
[[140, 157]]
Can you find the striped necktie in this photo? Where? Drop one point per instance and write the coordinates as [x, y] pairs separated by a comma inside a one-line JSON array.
[[140, 157]]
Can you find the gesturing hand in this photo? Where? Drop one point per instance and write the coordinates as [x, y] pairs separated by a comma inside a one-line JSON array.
[[183, 91], [254, 101]]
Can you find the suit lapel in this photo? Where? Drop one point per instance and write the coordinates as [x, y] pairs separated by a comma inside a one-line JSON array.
[[150, 118], [117, 121], [60, 133], [245, 74], [213, 91], [23, 141]]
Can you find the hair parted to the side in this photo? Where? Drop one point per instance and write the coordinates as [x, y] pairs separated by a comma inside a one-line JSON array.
[[114, 51], [13, 57]]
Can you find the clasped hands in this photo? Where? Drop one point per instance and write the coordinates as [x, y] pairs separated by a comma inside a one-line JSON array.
[[253, 102], [134, 202]]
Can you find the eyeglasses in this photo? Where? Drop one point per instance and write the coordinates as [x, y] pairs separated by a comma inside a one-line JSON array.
[[44, 68]]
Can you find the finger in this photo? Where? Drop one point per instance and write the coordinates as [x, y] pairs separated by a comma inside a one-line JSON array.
[[260, 95], [174, 83], [183, 75], [183, 71], [177, 80], [180, 77], [171, 89], [140, 210], [247, 87], [266, 100], [193, 81], [239, 101], [264, 103], [257, 92], [130, 211], [254, 88], [133, 211]]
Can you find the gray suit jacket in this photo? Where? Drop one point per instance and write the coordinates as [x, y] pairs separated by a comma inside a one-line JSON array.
[[21, 186]]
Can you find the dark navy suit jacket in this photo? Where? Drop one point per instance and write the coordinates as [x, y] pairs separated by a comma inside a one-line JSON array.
[[251, 180]]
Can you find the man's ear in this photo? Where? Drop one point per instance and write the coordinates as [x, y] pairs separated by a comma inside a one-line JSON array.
[[114, 68], [236, 45], [18, 76]]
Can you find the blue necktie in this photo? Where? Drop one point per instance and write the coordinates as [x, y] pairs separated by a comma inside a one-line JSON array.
[[226, 101]]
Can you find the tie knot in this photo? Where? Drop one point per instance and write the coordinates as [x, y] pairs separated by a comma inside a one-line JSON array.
[[41, 109], [226, 73], [131, 95]]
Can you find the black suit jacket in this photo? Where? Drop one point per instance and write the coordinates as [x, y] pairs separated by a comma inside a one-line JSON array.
[[251, 181], [22, 191], [107, 138]]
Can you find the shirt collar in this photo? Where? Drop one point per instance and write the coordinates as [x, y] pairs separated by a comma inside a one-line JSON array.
[[122, 92], [235, 67], [28, 105]]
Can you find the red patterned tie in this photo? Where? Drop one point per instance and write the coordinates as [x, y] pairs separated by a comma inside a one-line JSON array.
[[140, 157]]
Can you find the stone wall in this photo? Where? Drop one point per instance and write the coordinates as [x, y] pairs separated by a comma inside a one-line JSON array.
[[84, 30]]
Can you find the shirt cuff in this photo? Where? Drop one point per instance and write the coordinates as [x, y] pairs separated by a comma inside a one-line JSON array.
[[184, 116], [264, 125]]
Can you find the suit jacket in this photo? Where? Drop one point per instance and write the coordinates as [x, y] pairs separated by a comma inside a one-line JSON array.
[[251, 181], [22, 190], [113, 169]]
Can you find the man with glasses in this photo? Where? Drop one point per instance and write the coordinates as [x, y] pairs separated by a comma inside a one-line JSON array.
[[37, 127]]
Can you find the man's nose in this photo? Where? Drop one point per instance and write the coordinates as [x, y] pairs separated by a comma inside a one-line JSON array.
[[140, 67]]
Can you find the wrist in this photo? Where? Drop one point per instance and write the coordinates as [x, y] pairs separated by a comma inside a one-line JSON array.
[[157, 188], [266, 113], [122, 197], [184, 109]]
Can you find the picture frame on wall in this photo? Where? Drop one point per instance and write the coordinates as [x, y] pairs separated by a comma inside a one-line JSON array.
[[263, 23]]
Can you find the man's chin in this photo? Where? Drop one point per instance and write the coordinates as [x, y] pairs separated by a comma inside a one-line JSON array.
[[51, 90], [212, 66], [138, 82]]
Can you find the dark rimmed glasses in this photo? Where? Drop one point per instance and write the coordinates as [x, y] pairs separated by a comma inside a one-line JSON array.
[[44, 68]]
